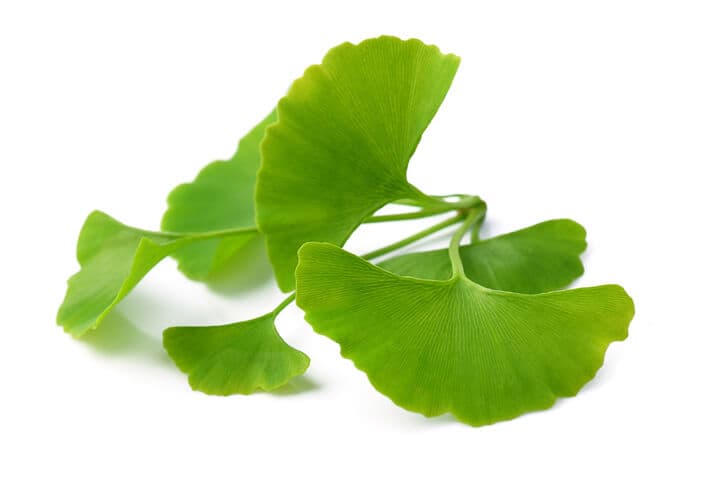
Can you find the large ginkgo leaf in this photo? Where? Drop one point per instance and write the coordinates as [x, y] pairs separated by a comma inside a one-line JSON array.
[[240, 357], [113, 258], [220, 197], [455, 346], [340, 149], [536, 259]]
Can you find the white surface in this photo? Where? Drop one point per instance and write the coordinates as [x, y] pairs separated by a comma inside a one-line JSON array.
[[604, 112]]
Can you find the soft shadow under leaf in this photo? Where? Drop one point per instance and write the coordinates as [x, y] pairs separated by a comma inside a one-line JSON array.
[[220, 197], [113, 258], [296, 386], [248, 269], [121, 337]]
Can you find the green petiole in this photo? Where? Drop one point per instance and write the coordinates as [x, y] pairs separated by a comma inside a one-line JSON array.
[[467, 201], [390, 248], [202, 235], [480, 330], [473, 218], [413, 238]]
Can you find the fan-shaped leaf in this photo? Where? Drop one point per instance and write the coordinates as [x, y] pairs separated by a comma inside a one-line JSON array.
[[340, 150], [237, 358], [113, 259], [220, 197], [536, 259], [454, 346]]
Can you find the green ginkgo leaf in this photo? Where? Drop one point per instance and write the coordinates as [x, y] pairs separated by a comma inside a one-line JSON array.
[[340, 149], [113, 258], [537, 259], [455, 346], [241, 357], [220, 197]]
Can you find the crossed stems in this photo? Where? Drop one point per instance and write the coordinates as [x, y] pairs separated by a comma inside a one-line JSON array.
[[470, 210]]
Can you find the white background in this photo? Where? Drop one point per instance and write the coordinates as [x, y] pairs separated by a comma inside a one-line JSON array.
[[604, 112]]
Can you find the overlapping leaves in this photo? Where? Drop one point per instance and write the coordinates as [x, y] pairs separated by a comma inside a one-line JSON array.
[[220, 197], [113, 259], [437, 346], [477, 330], [340, 149], [211, 220], [536, 259], [200, 220]]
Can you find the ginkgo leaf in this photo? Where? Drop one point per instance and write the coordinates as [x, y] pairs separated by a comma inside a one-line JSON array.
[[455, 346], [220, 197], [113, 258], [240, 357], [537, 259], [340, 149]]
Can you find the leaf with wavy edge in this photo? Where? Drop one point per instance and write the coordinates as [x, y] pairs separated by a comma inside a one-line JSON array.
[[537, 259], [113, 258], [455, 346], [241, 357], [220, 197], [340, 149]]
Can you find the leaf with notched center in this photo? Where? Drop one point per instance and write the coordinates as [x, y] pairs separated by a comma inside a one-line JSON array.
[[240, 357], [345, 133], [455, 346]]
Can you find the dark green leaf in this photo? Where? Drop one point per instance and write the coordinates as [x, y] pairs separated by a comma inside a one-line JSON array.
[[536, 259]]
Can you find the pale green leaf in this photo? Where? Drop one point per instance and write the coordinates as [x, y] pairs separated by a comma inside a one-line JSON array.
[[540, 258], [345, 133], [113, 259], [220, 197], [455, 346]]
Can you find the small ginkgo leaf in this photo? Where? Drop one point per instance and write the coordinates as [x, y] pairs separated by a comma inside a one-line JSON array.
[[240, 357], [220, 197], [455, 346], [113, 258], [537, 259], [340, 149]]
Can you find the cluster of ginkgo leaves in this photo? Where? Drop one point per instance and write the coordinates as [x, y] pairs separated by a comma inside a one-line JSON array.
[[480, 329]]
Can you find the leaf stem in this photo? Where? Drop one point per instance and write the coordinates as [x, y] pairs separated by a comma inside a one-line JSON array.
[[474, 216], [434, 206], [475, 232], [426, 212], [411, 202], [284, 304], [387, 249], [464, 202], [208, 235], [413, 238]]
